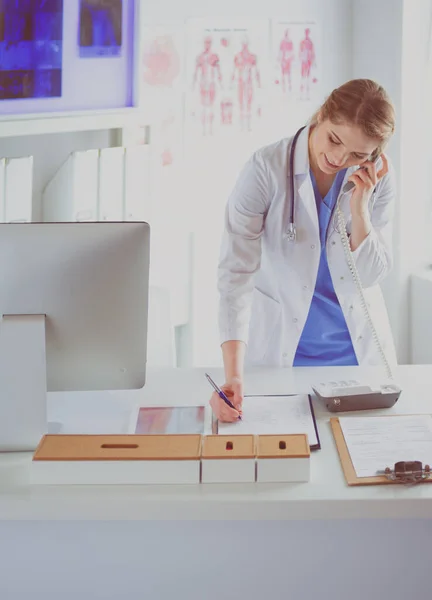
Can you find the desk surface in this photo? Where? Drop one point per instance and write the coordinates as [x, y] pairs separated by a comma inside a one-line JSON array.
[[326, 496]]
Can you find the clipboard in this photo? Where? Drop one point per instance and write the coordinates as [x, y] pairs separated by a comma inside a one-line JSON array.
[[347, 465], [317, 446]]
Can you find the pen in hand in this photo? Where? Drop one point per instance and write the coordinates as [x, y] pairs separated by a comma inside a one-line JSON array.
[[220, 393]]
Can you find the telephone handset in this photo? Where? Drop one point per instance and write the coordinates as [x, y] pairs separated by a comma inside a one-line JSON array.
[[341, 396], [374, 157]]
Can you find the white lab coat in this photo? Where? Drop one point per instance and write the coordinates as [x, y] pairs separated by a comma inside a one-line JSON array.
[[266, 283]]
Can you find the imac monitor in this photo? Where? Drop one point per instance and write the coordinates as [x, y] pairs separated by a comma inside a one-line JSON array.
[[73, 309]]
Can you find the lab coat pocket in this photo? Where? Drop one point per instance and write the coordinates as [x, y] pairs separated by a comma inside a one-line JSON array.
[[265, 317]]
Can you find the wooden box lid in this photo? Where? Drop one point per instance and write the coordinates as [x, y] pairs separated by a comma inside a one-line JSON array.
[[118, 447], [228, 446], [283, 446]]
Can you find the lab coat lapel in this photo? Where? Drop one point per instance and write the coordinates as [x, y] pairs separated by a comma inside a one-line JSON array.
[[344, 201], [306, 196]]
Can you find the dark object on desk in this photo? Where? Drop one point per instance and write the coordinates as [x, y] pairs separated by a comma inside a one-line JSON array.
[[408, 472], [386, 398]]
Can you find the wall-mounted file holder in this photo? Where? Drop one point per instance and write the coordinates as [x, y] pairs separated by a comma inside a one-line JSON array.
[[16, 189], [117, 459], [228, 459], [111, 184], [2, 188], [283, 458], [137, 198], [72, 194]]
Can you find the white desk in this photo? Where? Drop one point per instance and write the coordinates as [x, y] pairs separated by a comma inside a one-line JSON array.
[[324, 527]]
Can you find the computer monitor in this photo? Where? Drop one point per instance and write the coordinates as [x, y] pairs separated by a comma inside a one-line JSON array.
[[73, 308]]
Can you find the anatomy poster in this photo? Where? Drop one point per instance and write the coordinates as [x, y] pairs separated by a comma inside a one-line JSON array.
[[296, 58], [160, 86], [224, 72]]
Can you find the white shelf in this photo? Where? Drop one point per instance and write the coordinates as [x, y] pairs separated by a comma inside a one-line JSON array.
[[63, 122]]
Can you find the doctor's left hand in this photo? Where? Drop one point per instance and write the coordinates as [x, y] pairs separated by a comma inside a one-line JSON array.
[[365, 180]]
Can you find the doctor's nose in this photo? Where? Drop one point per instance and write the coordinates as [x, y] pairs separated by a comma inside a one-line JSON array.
[[338, 159]]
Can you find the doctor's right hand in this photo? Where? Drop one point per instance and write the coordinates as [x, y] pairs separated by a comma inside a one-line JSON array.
[[233, 390]]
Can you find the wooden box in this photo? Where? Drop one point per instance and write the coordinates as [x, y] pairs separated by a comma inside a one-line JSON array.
[[117, 459]]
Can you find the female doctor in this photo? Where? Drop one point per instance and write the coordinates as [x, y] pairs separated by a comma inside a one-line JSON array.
[[287, 294]]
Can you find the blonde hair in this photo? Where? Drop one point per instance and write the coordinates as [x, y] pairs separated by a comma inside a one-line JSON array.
[[364, 103]]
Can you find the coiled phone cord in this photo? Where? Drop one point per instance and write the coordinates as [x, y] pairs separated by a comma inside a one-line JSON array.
[[356, 278]]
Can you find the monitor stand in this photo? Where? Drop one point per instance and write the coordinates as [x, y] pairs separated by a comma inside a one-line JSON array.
[[23, 382]]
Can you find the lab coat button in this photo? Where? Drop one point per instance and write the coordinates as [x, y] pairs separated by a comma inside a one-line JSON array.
[[360, 337], [313, 246], [284, 355], [295, 320], [333, 243], [305, 287]]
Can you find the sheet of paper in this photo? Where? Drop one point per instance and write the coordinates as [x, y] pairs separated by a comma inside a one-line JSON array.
[[375, 443], [274, 415]]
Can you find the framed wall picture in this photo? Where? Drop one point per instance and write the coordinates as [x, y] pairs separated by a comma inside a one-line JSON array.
[[31, 49], [100, 28], [42, 64]]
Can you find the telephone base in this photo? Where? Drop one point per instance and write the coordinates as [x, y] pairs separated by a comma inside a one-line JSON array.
[[346, 396]]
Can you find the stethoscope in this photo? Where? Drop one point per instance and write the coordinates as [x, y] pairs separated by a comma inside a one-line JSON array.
[[291, 232]]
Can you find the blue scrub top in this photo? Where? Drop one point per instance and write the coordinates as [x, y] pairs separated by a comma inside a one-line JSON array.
[[325, 340]]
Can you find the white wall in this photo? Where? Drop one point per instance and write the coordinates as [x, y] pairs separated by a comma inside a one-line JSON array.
[[209, 175], [376, 44], [415, 156], [390, 45]]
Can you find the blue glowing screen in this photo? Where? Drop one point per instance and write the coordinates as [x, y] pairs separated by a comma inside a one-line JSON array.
[[31, 36]]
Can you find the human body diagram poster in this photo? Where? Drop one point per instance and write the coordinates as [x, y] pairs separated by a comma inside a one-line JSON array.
[[160, 93], [296, 59], [210, 77], [226, 68]]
